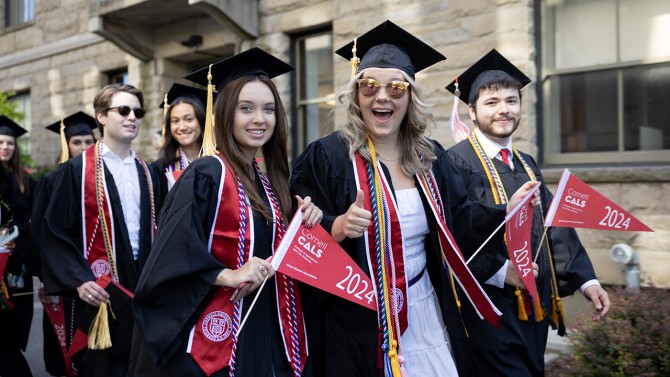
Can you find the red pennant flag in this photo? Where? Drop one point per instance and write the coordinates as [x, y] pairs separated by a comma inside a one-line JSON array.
[[53, 307], [517, 237], [578, 205], [313, 257]]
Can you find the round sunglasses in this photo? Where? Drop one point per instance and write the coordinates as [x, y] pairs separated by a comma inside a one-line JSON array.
[[394, 89], [125, 111]]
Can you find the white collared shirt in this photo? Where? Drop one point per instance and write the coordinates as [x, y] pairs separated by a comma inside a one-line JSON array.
[[127, 183]]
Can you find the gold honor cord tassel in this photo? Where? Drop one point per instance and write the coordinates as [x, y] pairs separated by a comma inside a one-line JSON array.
[[99, 337], [520, 305], [355, 61], [208, 139], [64, 149], [165, 120]]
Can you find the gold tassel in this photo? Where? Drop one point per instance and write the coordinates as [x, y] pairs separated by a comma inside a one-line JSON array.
[[165, 121], [355, 61], [554, 311], [99, 337], [538, 311], [393, 356], [209, 139], [522, 308], [64, 149]]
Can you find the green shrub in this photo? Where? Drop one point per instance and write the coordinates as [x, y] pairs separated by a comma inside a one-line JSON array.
[[633, 340]]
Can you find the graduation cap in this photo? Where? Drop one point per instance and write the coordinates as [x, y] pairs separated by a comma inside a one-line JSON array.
[[110, 325], [491, 68], [77, 124], [9, 128], [250, 62], [179, 90], [389, 46]]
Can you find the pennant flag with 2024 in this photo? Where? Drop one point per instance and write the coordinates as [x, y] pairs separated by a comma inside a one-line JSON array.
[[517, 237], [578, 205], [313, 257]]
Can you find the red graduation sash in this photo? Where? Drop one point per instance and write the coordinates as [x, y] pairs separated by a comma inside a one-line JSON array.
[[213, 340], [97, 218], [395, 290]]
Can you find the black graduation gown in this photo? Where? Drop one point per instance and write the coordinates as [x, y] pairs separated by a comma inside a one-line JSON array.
[[343, 336], [64, 267], [517, 348], [53, 357], [177, 283], [15, 323]]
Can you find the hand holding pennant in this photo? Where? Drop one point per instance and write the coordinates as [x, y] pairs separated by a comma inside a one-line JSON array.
[[578, 205], [313, 257], [517, 237]]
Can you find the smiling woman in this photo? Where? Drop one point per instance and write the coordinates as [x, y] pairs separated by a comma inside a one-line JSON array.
[[220, 225], [183, 126]]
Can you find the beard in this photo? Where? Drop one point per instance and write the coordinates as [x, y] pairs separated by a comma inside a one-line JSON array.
[[487, 128]]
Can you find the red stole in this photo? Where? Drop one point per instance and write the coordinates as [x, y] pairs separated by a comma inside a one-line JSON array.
[[97, 218], [395, 291], [213, 340]]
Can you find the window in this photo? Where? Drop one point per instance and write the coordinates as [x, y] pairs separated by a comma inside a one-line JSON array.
[[18, 12], [314, 89], [117, 77], [23, 105], [606, 81]]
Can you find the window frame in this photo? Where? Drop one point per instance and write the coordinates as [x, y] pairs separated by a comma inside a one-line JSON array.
[[299, 130], [547, 141], [24, 19]]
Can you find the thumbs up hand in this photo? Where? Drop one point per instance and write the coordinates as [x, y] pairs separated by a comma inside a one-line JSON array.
[[353, 223]]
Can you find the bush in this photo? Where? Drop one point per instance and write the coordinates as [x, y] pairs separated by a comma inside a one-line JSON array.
[[633, 340]]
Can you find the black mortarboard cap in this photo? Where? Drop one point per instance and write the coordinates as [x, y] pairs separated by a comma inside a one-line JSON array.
[[253, 61], [180, 90], [77, 124], [389, 46], [9, 128], [490, 68], [120, 324]]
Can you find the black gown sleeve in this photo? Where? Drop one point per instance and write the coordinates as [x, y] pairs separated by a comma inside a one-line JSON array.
[[63, 265], [40, 204], [180, 272]]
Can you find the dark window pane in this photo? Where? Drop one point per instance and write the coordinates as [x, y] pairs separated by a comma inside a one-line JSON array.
[[647, 107], [588, 109]]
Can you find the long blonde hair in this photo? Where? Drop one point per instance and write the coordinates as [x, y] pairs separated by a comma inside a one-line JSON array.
[[412, 130]]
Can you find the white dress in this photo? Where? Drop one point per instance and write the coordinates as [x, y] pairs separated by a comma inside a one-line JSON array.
[[425, 343]]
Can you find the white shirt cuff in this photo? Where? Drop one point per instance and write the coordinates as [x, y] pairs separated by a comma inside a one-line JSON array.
[[588, 284], [498, 279]]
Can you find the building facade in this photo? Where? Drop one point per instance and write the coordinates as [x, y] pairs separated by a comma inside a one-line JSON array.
[[598, 104]]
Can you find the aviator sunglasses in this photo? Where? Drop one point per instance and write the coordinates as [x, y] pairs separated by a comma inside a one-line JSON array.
[[394, 89], [125, 111]]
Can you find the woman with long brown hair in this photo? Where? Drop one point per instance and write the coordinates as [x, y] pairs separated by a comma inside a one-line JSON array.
[[220, 224]]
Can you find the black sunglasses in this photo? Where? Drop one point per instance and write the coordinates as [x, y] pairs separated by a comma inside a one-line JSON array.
[[125, 111]]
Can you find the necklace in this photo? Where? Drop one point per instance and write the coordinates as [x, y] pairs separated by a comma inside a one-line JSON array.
[[389, 159]]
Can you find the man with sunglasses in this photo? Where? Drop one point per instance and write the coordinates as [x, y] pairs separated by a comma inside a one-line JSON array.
[[100, 223], [492, 168]]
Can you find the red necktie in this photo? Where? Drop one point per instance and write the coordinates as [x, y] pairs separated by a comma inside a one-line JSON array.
[[504, 154]]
